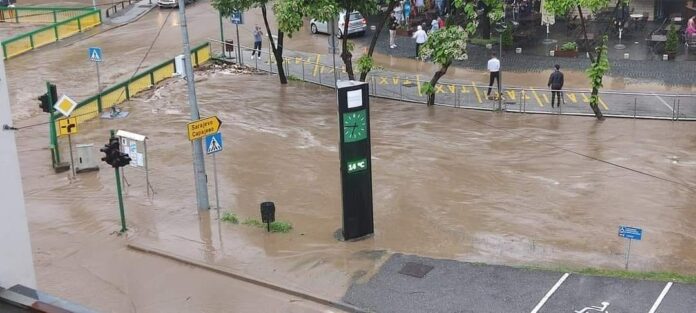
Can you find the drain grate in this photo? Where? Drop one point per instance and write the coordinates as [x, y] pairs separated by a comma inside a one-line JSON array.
[[417, 270]]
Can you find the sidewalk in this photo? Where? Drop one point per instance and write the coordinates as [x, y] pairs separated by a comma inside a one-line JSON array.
[[132, 13], [667, 72]]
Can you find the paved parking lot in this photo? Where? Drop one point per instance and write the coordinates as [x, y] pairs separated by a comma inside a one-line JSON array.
[[452, 286]]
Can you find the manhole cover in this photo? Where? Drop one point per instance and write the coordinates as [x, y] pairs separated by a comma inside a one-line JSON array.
[[415, 269]]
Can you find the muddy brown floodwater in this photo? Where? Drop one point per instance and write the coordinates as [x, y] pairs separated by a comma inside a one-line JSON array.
[[476, 186]]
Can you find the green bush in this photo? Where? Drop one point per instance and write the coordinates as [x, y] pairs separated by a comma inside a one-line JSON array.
[[569, 46], [672, 43], [230, 218]]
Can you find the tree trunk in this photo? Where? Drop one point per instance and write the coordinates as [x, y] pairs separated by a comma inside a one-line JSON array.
[[485, 25], [277, 50], [433, 82], [346, 56], [380, 26]]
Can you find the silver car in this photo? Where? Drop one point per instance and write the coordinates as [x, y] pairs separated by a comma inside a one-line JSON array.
[[171, 3], [356, 25]]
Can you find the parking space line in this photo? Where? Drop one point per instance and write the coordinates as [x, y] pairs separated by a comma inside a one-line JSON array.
[[602, 103], [537, 97], [659, 299], [478, 96], [316, 66], [550, 293], [663, 102]]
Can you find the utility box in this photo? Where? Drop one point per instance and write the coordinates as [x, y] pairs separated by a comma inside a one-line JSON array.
[[85, 159], [179, 63]]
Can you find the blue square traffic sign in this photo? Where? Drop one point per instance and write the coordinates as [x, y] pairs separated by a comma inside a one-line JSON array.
[[95, 54], [237, 18], [630, 232], [213, 143]]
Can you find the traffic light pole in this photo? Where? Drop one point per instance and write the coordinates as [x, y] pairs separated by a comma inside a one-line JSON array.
[[198, 163], [119, 194], [52, 126]]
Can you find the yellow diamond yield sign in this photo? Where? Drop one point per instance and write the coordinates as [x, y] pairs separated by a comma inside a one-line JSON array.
[[203, 127], [65, 105]]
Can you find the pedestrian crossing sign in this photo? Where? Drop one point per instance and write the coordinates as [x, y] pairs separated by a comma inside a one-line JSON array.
[[213, 143], [95, 54]]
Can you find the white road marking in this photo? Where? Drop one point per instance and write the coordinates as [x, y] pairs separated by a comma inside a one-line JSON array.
[[659, 299], [663, 102], [550, 293]]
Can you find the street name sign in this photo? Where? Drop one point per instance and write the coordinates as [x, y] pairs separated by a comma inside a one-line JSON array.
[[630, 232], [67, 126], [65, 105], [213, 143], [95, 54], [203, 127]]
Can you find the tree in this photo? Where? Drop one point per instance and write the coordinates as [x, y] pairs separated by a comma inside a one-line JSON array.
[[599, 63], [446, 45], [365, 62], [227, 7], [290, 14], [443, 47], [491, 11]]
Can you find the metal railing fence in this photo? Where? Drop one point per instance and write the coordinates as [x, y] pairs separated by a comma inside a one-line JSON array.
[[406, 88]]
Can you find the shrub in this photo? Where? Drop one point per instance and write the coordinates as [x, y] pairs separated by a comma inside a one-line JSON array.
[[672, 43], [569, 46]]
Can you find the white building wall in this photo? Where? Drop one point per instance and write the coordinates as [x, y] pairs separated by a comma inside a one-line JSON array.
[[16, 263]]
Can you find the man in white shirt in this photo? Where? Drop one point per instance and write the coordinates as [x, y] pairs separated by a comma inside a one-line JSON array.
[[421, 37], [494, 70]]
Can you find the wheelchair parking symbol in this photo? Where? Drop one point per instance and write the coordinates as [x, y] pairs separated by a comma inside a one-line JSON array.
[[602, 308]]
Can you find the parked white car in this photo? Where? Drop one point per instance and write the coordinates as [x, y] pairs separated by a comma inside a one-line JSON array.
[[171, 3], [356, 24]]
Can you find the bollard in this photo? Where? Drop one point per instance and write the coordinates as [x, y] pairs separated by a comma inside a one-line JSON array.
[[268, 214]]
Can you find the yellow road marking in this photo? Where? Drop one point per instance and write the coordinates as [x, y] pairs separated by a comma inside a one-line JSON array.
[[298, 60], [452, 88], [439, 89], [537, 97], [316, 65], [602, 103], [546, 99], [330, 69], [585, 98], [395, 80], [478, 96], [465, 90], [511, 95], [383, 80], [418, 84], [571, 97]]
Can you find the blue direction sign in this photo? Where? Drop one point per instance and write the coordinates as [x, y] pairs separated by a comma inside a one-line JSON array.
[[95, 54], [630, 232], [213, 143], [237, 18]]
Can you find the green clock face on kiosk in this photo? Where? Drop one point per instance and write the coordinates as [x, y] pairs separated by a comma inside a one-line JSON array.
[[355, 153], [354, 126]]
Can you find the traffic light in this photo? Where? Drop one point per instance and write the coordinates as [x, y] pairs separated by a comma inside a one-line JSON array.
[[46, 102], [113, 155], [111, 151]]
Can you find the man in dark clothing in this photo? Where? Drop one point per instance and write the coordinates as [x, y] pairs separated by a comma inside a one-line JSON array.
[[556, 84]]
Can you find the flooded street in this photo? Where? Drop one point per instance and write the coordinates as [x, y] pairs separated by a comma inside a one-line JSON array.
[[474, 186], [499, 188]]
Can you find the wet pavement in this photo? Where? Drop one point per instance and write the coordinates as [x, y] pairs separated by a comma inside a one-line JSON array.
[[452, 286]]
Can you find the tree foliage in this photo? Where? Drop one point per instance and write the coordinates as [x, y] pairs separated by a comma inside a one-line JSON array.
[[446, 45]]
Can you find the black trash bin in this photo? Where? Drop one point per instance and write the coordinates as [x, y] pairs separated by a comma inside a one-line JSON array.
[[229, 48]]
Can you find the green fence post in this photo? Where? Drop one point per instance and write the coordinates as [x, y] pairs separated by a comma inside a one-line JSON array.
[[55, 30], [127, 91], [55, 17], [31, 41], [16, 15], [79, 26], [99, 102]]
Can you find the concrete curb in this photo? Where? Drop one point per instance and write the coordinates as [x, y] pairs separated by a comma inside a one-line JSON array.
[[221, 270]]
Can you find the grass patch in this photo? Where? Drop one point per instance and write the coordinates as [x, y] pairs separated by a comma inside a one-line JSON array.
[[655, 276], [294, 78], [276, 227], [230, 218], [252, 222]]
